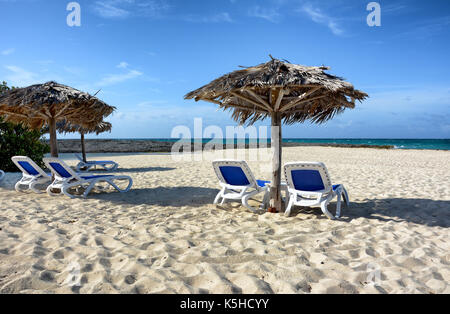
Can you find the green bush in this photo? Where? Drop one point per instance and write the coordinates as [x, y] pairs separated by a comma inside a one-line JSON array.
[[18, 140]]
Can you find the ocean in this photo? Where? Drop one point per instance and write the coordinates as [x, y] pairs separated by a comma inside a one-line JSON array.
[[437, 144]]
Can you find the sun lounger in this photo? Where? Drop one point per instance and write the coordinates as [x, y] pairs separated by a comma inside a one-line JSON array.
[[107, 165], [309, 185], [32, 174], [238, 183], [66, 179]]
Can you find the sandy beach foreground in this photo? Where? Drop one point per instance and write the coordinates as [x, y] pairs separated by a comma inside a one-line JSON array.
[[165, 236]]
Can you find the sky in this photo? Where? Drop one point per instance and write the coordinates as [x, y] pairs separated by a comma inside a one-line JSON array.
[[145, 55]]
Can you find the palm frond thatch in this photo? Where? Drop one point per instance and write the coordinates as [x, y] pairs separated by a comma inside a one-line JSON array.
[[299, 93], [35, 105], [45, 104], [67, 127]]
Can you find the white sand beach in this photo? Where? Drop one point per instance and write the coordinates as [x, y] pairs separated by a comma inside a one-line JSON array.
[[165, 236]]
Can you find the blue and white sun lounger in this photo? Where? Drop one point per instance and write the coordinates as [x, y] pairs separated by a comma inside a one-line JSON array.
[[32, 174], [309, 185], [67, 179], [2, 175], [107, 165], [238, 183]]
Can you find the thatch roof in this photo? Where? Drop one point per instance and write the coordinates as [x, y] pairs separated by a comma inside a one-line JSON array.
[[67, 127], [298, 92], [36, 104]]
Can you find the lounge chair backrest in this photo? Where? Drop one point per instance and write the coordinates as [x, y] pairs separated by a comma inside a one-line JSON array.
[[307, 176], [234, 172], [28, 166], [60, 169]]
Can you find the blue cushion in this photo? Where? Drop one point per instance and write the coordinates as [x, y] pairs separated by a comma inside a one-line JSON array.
[[60, 170], [307, 180], [28, 168], [234, 175], [95, 177], [262, 183], [335, 187]]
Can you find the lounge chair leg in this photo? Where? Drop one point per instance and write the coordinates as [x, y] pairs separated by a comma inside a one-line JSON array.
[[287, 213], [89, 188], [324, 207], [18, 186], [219, 195], [33, 187], [223, 198], [51, 193], [338, 205], [64, 191], [245, 203], [265, 203], [112, 184], [345, 194]]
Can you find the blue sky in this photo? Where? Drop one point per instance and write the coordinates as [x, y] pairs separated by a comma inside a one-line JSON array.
[[145, 55]]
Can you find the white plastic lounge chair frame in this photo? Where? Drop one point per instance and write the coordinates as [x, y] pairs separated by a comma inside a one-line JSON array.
[[66, 178], [86, 166], [247, 186], [319, 190], [2, 175], [32, 174]]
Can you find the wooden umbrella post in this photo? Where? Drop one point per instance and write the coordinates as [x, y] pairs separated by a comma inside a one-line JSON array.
[[275, 188], [83, 147], [53, 139]]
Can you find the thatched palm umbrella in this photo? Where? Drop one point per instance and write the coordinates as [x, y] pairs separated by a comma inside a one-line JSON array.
[[46, 104], [67, 127], [284, 92]]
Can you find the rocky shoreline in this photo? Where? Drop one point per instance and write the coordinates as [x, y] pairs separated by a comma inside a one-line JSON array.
[[149, 146]]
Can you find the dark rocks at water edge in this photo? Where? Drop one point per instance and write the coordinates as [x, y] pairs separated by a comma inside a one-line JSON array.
[[151, 146]]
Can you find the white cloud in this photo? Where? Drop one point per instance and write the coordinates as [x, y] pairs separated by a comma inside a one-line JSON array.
[[7, 52], [223, 17], [19, 76], [319, 17], [106, 9], [270, 15], [123, 65], [73, 70], [152, 102], [119, 78], [125, 8]]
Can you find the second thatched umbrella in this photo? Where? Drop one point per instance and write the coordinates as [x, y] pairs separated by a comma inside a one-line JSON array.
[[284, 92], [67, 127], [46, 104]]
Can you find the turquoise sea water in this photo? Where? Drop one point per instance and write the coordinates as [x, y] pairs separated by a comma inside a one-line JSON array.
[[440, 144]]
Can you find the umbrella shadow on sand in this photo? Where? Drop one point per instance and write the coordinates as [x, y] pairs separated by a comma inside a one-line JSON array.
[[162, 196], [433, 213]]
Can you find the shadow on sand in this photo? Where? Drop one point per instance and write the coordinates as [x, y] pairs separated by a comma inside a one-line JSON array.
[[162, 196], [420, 211], [126, 170]]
